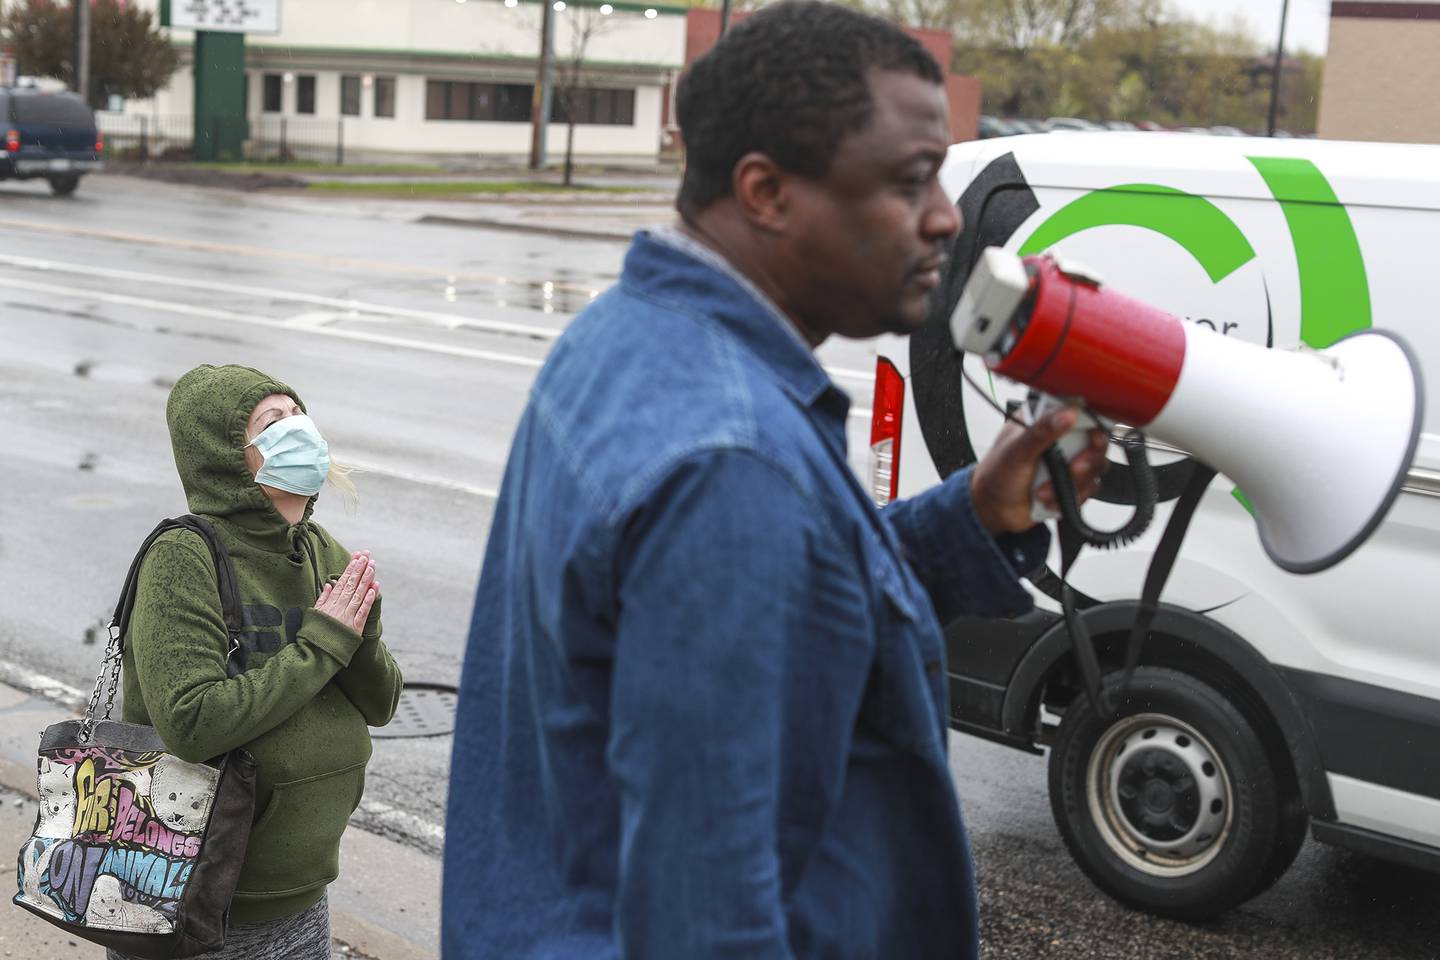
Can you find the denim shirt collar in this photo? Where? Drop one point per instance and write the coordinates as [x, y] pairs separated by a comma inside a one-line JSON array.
[[664, 263]]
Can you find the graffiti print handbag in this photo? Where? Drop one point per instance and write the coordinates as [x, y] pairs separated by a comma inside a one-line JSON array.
[[133, 847]]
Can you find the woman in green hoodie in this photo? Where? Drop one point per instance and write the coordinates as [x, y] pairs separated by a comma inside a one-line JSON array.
[[310, 673]]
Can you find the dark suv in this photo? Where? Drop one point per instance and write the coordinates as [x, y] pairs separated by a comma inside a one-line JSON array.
[[47, 134]]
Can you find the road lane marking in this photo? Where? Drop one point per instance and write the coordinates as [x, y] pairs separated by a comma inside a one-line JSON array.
[[405, 823], [425, 480], [38, 684], [230, 316], [449, 321], [288, 256]]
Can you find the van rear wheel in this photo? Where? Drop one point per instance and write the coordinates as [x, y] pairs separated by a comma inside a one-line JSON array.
[[64, 186], [1172, 806]]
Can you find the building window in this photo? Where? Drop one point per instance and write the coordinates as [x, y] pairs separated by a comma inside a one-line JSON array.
[[384, 96], [350, 96], [600, 105], [492, 102], [274, 92], [305, 93]]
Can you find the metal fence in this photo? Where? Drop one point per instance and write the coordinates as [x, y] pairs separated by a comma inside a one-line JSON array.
[[269, 139]]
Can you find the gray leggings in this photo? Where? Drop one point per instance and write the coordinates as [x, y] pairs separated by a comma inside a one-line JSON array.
[[304, 936]]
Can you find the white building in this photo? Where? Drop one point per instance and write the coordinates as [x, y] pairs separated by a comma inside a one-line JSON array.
[[446, 79]]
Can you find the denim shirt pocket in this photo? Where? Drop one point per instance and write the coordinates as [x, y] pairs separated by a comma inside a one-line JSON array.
[[909, 662]]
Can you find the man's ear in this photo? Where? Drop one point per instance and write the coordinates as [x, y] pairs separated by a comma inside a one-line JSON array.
[[763, 192]]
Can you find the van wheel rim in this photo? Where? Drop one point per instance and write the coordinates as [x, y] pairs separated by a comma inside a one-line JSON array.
[[1159, 795]]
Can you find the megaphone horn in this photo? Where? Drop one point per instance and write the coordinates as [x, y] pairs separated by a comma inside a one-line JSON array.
[[1319, 441]]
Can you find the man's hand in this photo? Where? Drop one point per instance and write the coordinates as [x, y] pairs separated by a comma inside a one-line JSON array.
[[1000, 485]]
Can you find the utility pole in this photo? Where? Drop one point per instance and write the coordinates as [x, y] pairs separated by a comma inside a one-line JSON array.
[[82, 48], [544, 86], [724, 17], [1279, 58]]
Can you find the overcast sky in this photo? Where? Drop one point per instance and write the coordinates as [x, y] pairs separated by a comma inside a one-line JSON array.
[[1309, 26]]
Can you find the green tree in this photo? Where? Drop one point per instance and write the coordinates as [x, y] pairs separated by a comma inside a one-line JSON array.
[[129, 55]]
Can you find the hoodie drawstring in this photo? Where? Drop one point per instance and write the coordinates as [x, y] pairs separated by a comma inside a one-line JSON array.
[[302, 544]]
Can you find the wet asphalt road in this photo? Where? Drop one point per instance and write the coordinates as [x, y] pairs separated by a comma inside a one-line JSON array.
[[414, 347]]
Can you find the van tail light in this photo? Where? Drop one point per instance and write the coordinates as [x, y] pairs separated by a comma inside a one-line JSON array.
[[12, 141], [885, 420], [99, 144]]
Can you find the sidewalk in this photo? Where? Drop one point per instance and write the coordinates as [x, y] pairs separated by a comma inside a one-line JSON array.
[[385, 906]]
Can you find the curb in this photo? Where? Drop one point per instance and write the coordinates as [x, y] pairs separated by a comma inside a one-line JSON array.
[[567, 233], [384, 906]]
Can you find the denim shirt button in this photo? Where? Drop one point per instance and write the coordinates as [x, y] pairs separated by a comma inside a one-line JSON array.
[[932, 667]]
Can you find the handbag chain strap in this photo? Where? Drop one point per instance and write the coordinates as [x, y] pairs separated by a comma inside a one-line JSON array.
[[112, 659], [120, 622]]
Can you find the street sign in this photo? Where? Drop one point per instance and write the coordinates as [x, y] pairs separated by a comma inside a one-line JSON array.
[[226, 16]]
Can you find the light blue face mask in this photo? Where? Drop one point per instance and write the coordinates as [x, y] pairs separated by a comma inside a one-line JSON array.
[[297, 458]]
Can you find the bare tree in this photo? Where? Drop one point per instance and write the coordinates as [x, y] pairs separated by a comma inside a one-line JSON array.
[[1022, 25], [927, 14], [572, 84]]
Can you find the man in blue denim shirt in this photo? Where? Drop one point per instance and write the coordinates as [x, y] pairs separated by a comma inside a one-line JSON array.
[[703, 710]]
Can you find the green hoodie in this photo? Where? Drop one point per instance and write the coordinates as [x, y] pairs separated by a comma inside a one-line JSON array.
[[307, 685]]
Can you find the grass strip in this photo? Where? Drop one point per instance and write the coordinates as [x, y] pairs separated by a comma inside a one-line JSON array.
[[304, 166], [430, 188]]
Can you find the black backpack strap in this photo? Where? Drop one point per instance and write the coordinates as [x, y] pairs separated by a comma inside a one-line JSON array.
[[224, 575]]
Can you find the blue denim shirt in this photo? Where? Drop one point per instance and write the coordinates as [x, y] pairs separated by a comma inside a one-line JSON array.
[[703, 708]]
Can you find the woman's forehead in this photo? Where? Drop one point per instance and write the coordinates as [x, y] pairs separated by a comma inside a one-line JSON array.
[[275, 401]]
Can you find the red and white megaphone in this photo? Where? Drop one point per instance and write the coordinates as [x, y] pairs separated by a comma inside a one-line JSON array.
[[1320, 441]]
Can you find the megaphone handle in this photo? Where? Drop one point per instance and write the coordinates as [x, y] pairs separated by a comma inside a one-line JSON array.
[[1038, 406]]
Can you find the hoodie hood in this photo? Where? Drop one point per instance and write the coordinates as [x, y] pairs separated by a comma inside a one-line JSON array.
[[207, 413]]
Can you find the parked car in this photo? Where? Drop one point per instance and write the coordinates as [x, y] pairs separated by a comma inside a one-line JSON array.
[[1121, 126], [48, 135], [995, 127], [1025, 125], [1070, 124], [1272, 702], [1226, 131]]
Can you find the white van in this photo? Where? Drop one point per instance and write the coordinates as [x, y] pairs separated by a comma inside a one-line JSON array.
[[1265, 701]]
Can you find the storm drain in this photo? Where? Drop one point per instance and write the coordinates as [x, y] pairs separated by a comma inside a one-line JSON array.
[[425, 710]]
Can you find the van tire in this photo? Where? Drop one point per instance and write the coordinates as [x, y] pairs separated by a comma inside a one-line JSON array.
[[64, 186], [1173, 805]]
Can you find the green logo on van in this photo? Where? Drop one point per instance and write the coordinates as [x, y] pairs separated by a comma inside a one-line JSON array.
[[1334, 289], [1195, 223]]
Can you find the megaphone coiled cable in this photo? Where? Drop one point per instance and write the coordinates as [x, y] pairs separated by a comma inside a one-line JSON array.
[[1147, 494], [1147, 487]]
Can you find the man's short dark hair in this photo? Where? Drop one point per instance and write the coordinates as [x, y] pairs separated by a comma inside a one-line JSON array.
[[789, 82]]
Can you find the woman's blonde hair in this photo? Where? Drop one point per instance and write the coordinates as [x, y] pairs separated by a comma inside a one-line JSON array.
[[339, 478]]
